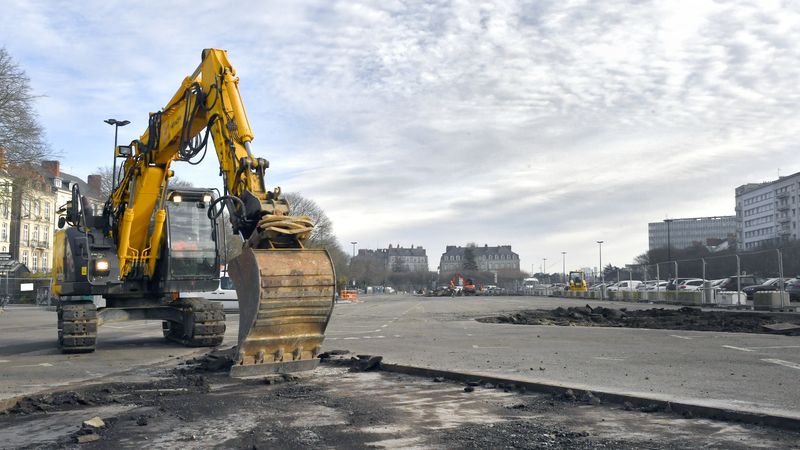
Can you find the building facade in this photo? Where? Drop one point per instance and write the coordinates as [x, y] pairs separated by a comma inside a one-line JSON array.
[[767, 212], [29, 211], [487, 258], [683, 233], [397, 259]]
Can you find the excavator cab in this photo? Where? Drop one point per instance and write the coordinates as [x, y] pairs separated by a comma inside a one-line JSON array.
[[192, 263]]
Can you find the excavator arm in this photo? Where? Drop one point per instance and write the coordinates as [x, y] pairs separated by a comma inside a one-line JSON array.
[[285, 291]]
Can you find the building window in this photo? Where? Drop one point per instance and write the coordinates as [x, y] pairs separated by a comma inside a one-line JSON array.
[[25, 234], [46, 210], [36, 233], [4, 233], [35, 262], [5, 210], [44, 262], [37, 208], [25, 257]]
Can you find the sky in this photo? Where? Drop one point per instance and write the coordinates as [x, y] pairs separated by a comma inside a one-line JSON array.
[[544, 125]]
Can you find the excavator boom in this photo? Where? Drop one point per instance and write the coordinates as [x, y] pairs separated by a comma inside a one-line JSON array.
[[286, 291]]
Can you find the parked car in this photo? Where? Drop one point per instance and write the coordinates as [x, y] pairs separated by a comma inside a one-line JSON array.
[[793, 288], [772, 284], [693, 284], [649, 284], [628, 286], [225, 293], [675, 282], [660, 286], [730, 283]]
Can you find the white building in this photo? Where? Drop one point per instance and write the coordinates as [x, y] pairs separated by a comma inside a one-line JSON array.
[[683, 233], [767, 212]]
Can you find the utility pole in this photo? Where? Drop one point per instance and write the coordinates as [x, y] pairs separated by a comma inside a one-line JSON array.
[[354, 247], [564, 267]]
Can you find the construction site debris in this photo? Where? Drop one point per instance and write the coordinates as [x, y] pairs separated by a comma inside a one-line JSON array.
[[685, 318]]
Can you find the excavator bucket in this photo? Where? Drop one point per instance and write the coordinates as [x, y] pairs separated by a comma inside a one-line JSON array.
[[285, 302]]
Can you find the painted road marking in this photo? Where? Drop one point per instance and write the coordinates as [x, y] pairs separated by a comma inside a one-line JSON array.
[[477, 346], [776, 346], [350, 338], [35, 365], [608, 358], [781, 362], [741, 349], [4, 360], [681, 337]]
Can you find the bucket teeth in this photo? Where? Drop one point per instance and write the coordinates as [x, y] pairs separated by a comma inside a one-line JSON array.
[[285, 302]]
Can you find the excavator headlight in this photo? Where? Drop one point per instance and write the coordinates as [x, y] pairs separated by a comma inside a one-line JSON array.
[[206, 198], [101, 265], [176, 198]]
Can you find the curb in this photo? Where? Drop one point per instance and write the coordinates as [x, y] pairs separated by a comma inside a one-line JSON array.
[[686, 409]]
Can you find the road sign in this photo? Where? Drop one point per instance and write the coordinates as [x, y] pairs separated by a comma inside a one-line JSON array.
[[25, 287]]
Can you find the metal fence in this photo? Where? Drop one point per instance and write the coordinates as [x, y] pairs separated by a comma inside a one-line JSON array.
[[25, 291]]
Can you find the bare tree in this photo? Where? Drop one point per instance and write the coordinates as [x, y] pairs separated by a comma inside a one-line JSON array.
[[22, 142], [323, 235]]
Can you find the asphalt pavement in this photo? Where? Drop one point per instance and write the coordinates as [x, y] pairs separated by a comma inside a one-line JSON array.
[[750, 372], [740, 371]]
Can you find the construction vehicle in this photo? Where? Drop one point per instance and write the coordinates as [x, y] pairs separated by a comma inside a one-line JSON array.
[[577, 282], [459, 285], [151, 242]]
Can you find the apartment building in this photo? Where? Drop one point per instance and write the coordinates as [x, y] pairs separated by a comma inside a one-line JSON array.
[[767, 212]]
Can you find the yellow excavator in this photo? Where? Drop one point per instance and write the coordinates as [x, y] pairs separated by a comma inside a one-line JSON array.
[[151, 241]]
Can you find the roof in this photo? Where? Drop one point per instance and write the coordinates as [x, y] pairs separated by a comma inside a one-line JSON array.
[[453, 250], [749, 187], [68, 180]]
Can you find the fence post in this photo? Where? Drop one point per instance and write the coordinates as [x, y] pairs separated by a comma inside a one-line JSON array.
[[676, 273], [705, 288], [658, 284], [738, 280], [780, 274]]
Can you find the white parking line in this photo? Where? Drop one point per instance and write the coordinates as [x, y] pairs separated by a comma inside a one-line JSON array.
[[741, 349], [775, 346], [681, 337], [781, 362]]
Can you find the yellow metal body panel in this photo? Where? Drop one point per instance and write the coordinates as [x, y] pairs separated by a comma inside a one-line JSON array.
[[59, 246]]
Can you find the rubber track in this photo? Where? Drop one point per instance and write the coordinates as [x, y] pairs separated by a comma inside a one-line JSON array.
[[77, 327], [206, 321]]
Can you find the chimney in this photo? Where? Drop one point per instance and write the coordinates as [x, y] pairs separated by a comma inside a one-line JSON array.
[[95, 183], [52, 167]]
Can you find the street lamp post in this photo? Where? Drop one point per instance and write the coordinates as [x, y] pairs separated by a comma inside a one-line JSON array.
[[117, 124], [544, 268], [564, 267], [602, 275], [354, 247]]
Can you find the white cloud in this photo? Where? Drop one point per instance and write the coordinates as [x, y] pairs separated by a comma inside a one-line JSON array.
[[546, 125]]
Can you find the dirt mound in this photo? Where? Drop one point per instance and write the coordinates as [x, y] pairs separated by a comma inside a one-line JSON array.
[[685, 318]]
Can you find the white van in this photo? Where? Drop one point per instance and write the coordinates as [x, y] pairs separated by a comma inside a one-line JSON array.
[[225, 294], [628, 286]]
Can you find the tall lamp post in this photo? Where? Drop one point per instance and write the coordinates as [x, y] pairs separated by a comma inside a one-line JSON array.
[[544, 268], [564, 267], [602, 275], [117, 124], [354, 247], [669, 248]]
